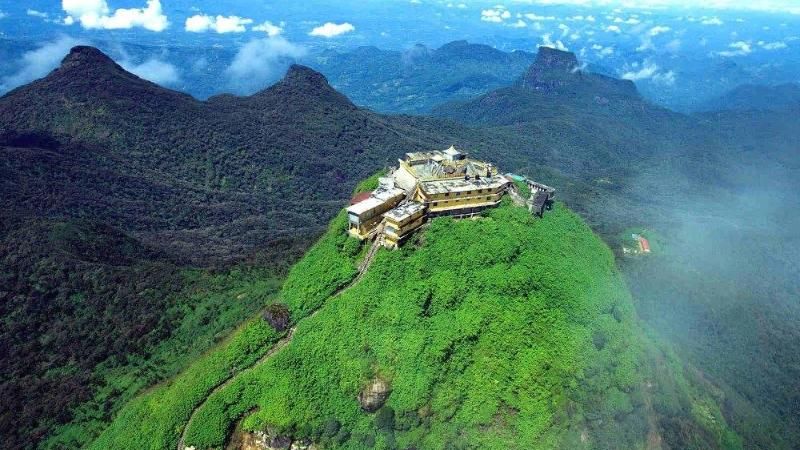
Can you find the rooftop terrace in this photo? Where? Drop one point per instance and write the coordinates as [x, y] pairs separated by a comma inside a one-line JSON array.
[[462, 185], [404, 211]]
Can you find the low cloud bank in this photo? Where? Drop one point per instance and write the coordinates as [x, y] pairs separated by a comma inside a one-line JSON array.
[[261, 61]]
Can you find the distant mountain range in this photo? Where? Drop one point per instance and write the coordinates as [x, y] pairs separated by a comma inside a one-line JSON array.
[[417, 79], [413, 80], [755, 97]]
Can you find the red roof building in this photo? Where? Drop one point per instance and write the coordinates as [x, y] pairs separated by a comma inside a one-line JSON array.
[[360, 197], [644, 245]]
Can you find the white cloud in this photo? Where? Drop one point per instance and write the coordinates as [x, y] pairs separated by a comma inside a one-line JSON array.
[[330, 29], [35, 13], [665, 78], [496, 15], [646, 44], [774, 6], [673, 46], [155, 70], [613, 29], [772, 45], [647, 70], [96, 14], [534, 17], [629, 21], [259, 62], [519, 24], [39, 62], [3, 15], [231, 24], [547, 41], [711, 21], [271, 29], [201, 23], [198, 23], [656, 30], [602, 51], [739, 48]]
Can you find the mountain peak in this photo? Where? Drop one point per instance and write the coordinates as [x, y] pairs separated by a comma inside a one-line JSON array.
[[558, 72], [303, 75], [83, 55], [554, 59], [85, 65], [302, 82], [552, 69]]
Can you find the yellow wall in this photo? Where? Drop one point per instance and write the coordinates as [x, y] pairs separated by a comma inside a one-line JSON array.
[[474, 193], [464, 202]]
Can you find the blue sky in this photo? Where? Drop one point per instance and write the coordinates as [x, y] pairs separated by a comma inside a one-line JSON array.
[[331, 19]]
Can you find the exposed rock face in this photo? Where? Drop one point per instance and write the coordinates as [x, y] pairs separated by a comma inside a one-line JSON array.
[[303, 444], [559, 72], [263, 440], [278, 317], [280, 442], [257, 440], [374, 395], [552, 68]]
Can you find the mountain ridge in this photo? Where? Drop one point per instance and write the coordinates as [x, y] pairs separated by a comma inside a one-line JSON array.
[[558, 71], [753, 97], [92, 103], [420, 77]]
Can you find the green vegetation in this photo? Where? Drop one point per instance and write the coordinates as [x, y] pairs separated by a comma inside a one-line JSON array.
[[523, 338], [90, 317], [212, 306], [524, 190], [369, 184], [155, 419]]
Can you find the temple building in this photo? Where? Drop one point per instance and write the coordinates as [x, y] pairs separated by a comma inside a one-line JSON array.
[[365, 215], [426, 185]]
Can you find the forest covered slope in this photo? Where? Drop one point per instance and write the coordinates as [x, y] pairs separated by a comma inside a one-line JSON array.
[[98, 156], [525, 338]]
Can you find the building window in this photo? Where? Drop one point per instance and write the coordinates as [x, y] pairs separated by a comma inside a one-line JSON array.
[[458, 193], [435, 203], [447, 194], [469, 192], [488, 198]]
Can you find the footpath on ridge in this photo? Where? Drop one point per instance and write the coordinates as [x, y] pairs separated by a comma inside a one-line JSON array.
[[284, 341]]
